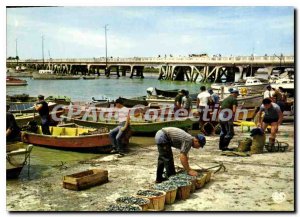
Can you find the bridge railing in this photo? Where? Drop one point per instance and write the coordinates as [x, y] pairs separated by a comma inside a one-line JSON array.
[[216, 59]]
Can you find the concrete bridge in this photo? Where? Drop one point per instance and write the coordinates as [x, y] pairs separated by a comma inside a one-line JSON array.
[[170, 68]]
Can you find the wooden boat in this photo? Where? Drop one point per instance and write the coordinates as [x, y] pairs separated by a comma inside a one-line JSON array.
[[143, 127], [20, 98], [23, 118], [27, 107], [167, 93], [17, 155], [61, 100], [49, 76], [68, 138], [10, 81], [133, 102], [89, 77]]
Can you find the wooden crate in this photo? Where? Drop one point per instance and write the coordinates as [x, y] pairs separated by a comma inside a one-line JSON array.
[[85, 179]]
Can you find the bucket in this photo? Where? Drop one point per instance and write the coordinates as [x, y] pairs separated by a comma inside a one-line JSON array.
[[142, 202], [201, 180], [185, 177], [157, 201]]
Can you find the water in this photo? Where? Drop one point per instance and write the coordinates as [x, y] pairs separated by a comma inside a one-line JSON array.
[[84, 90]]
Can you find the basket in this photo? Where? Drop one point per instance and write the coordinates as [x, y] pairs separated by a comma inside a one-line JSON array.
[[200, 181], [183, 192], [130, 200], [245, 145], [277, 147], [170, 192], [156, 202]]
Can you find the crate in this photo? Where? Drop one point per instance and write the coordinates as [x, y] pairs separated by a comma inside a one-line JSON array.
[[85, 179]]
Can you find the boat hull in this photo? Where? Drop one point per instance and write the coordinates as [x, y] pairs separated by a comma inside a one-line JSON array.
[[16, 154], [68, 142], [140, 128]]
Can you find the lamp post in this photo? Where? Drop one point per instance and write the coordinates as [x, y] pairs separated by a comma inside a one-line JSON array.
[[105, 30], [280, 58], [43, 50], [17, 57]]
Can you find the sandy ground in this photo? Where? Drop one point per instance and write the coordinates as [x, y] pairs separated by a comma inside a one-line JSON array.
[[263, 182]]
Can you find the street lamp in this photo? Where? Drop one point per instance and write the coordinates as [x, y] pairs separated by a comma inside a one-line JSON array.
[[17, 57], [105, 30], [43, 50], [280, 58]]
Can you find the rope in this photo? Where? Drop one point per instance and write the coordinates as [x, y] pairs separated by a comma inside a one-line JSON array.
[[219, 167]]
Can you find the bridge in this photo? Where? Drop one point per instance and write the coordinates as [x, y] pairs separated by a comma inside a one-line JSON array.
[[169, 68]]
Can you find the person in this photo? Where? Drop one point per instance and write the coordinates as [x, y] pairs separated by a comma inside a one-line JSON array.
[[227, 131], [42, 107], [203, 101], [178, 100], [187, 101], [215, 97], [268, 92], [117, 134], [13, 131], [273, 116], [277, 98], [283, 94], [169, 137]]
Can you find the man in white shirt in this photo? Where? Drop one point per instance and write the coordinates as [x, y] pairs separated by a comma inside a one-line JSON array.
[[117, 134], [268, 93], [203, 100]]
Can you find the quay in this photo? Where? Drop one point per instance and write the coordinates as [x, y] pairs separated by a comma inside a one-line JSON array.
[[169, 68]]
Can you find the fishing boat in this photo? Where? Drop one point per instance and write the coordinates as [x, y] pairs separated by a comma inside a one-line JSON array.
[[26, 107], [10, 81], [89, 77], [23, 118], [131, 102], [61, 100], [49, 75], [69, 138], [286, 83], [17, 155], [165, 93], [252, 85], [142, 127], [20, 98]]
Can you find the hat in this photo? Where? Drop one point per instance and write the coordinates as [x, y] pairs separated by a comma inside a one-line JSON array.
[[201, 139], [181, 91], [235, 91]]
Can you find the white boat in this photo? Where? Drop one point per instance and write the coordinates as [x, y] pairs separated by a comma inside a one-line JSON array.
[[285, 83], [251, 86]]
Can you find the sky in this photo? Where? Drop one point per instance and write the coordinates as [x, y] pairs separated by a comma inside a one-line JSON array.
[[78, 32]]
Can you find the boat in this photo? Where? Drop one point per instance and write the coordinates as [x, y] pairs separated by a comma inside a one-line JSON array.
[[20, 98], [26, 107], [286, 83], [243, 101], [10, 81], [131, 102], [252, 85], [23, 118], [69, 138], [142, 127], [49, 75], [89, 77], [60, 100], [164, 93], [17, 155]]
